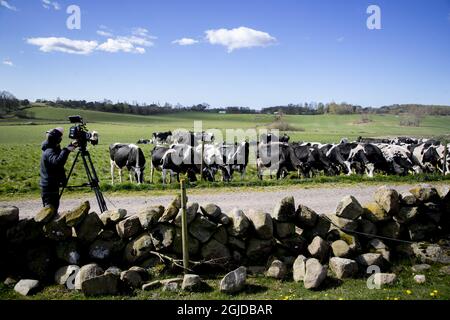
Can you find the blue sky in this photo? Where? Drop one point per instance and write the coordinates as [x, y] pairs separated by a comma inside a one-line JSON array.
[[287, 51]]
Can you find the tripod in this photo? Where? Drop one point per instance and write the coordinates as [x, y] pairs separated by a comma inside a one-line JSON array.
[[91, 175]]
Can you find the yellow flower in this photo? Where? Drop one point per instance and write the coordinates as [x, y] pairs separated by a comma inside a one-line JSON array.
[[435, 291], [396, 298], [432, 294], [341, 298], [408, 291]]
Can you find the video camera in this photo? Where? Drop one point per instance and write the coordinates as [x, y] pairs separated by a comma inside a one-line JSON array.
[[80, 133]]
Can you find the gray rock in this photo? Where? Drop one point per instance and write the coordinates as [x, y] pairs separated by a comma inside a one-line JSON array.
[[293, 245], [221, 234], [9, 215], [367, 226], [388, 199], [87, 272], [420, 278], [390, 229], [351, 240], [384, 279], [349, 208], [9, 282], [57, 229], [283, 229], [191, 213], [370, 259], [26, 230], [445, 270], [420, 267], [214, 250], [191, 282], [305, 217], [406, 214], [149, 216], [425, 193], [162, 236], [102, 249], [319, 248], [171, 287], [430, 253], [299, 268], [69, 252], [239, 223], [129, 227], [26, 287], [236, 243], [172, 210], [343, 268], [277, 270], [234, 281], [106, 284], [262, 224], [88, 230], [375, 213], [202, 229], [258, 250], [421, 231], [284, 211], [77, 215], [114, 270], [138, 249], [64, 273], [212, 211], [224, 219], [315, 274], [320, 229], [177, 246], [45, 215], [111, 217], [408, 199], [342, 223], [340, 249], [131, 279]]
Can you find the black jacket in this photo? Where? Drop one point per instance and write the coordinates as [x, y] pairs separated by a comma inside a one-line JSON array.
[[52, 165]]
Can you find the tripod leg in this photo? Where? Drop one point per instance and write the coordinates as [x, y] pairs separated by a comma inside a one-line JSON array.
[[93, 180]]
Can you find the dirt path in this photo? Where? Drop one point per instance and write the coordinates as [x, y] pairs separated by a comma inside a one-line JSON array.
[[322, 200]]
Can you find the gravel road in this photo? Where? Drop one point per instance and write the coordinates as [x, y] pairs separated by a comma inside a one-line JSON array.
[[322, 200]]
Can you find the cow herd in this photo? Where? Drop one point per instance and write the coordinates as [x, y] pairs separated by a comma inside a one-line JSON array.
[[195, 154]]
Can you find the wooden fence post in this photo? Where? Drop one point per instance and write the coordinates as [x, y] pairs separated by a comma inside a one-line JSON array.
[[445, 157], [201, 159], [184, 227]]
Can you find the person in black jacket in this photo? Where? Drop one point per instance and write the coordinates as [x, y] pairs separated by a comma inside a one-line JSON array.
[[52, 171]]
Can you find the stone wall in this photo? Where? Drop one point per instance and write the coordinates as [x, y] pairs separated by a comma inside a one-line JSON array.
[[289, 237]]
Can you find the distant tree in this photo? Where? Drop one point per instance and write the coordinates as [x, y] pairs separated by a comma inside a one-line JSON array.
[[8, 103]]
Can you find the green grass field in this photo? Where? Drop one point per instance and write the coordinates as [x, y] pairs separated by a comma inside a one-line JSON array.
[[20, 139], [262, 288]]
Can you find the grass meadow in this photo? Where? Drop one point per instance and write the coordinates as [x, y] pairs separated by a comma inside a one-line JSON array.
[[20, 141]]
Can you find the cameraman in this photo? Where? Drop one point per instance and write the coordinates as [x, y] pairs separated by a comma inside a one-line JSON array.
[[52, 171]]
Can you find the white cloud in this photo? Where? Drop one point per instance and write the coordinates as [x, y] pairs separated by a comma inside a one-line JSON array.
[[8, 62], [104, 33], [239, 38], [185, 42], [5, 4], [47, 4], [117, 45], [130, 44], [65, 45]]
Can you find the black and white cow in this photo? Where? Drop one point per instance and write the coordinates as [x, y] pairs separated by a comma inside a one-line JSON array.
[[144, 141], [161, 137], [274, 156], [399, 159], [426, 156], [179, 158], [308, 159], [236, 158], [129, 156], [192, 138]]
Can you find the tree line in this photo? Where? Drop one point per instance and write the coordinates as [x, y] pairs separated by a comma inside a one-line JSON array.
[[10, 105]]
